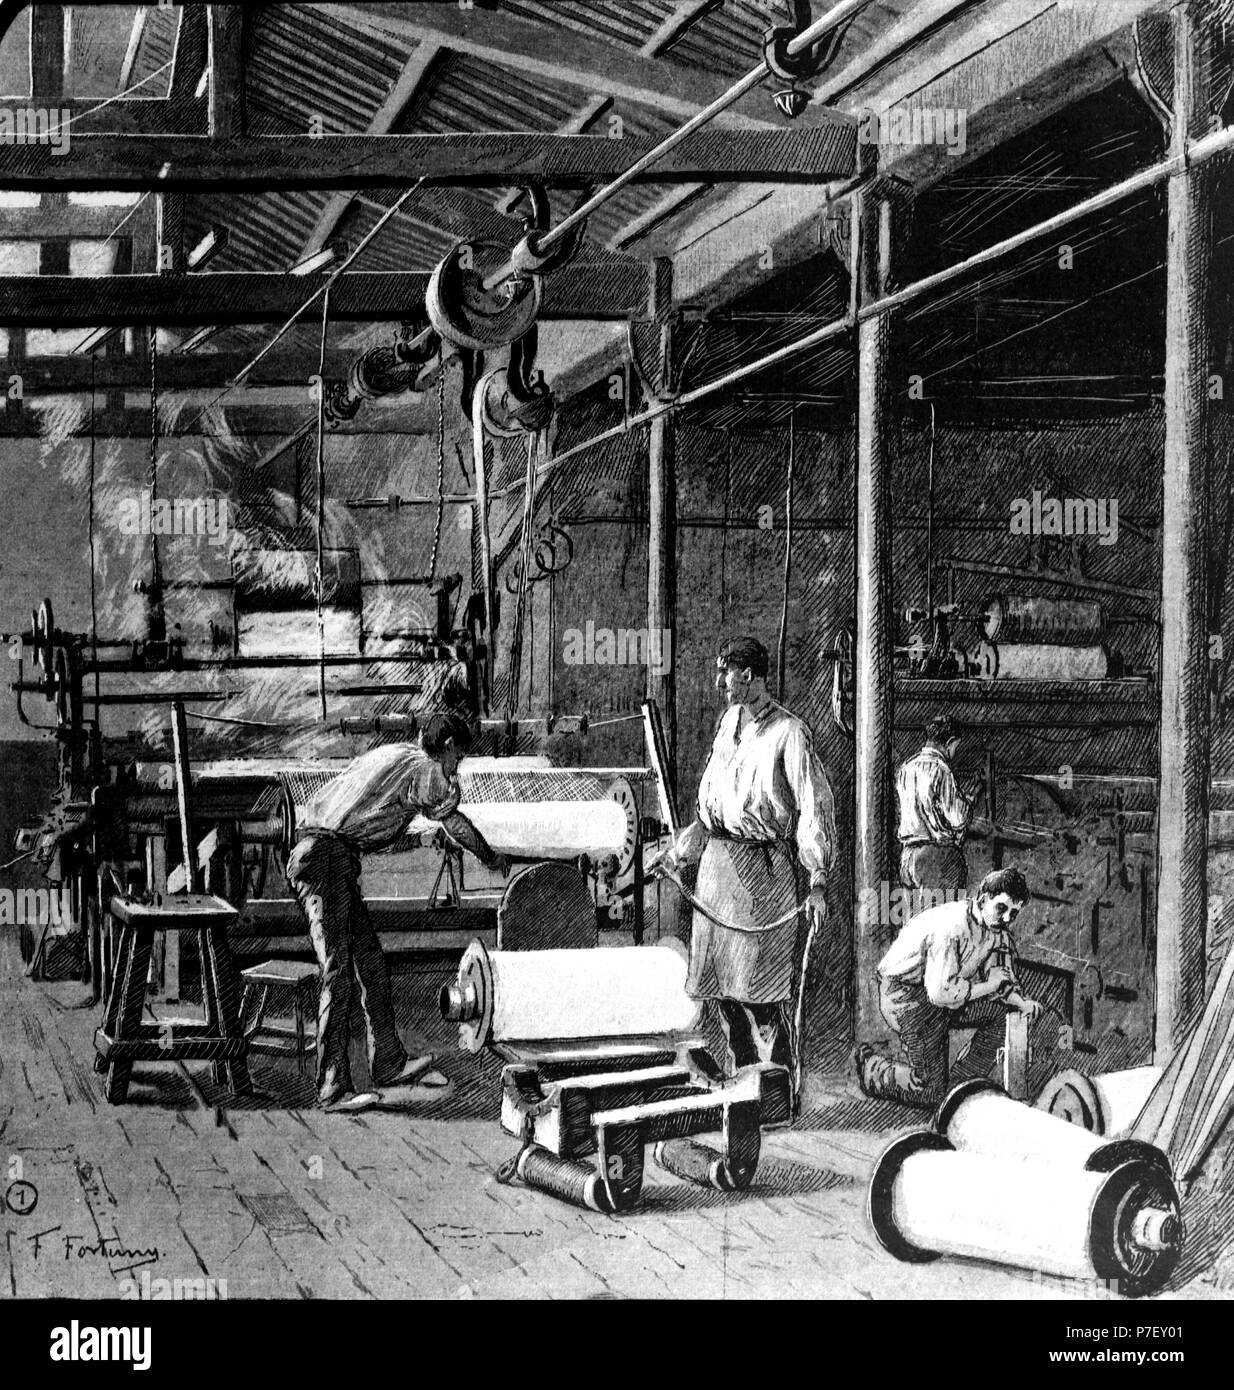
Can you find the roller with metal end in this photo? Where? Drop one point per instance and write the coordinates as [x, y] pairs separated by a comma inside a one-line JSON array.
[[1122, 1226]]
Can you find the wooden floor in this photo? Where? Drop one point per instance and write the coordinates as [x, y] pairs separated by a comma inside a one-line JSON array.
[[286, 1201]]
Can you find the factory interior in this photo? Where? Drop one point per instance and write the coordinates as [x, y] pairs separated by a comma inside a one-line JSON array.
[[381, 367]]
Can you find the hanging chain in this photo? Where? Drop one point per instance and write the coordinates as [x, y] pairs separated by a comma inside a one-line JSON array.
[[441, 468]]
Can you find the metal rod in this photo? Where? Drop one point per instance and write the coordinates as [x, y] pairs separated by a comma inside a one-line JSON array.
[[321, 500], [1099, 586], [806, 39]]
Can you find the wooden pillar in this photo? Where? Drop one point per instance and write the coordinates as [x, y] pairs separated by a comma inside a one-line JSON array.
[[662, 557], [225, 94], [1182, 819], [875, 631]]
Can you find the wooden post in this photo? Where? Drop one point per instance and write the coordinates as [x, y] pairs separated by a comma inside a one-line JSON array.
[[662, 558], [180, 746], [875, 634], [225, 99], [1182, 817]]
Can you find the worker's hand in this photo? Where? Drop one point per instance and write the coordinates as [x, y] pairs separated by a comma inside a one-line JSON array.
[[1032, 1008], [816, 907], [999, 979], [663, 861], [500, 865]]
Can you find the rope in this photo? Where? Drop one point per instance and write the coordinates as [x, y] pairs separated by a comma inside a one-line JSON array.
[[441, 470], [516, 642], [321, 501], [713, 916]]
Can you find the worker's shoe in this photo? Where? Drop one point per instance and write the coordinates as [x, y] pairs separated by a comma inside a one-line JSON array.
[[863, 1055], [415, 1071], [352, 1103]]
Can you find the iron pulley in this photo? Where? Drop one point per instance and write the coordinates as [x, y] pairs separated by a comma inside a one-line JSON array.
[[465, 313]]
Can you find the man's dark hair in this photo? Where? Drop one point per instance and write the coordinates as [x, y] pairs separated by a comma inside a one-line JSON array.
[[440, 729], [1010, 881], [941, 729], [745, 654]]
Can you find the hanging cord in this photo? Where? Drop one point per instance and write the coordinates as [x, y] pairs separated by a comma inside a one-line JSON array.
[[788, 550], [713, 916], [441, 469], [930, 523], [94, 611], [516, 639], [321, 501]]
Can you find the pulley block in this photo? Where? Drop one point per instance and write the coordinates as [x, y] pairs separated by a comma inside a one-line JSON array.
[[466, 314]]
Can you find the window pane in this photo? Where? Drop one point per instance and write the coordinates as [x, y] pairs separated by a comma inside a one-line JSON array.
[[53, 342], [15, 58], [19, 257], [92, 257]]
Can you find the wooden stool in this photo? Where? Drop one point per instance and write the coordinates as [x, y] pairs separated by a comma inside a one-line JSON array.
[[124, 1038], [301, 978]]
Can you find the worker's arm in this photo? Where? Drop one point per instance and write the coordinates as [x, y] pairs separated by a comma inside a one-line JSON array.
[[464, 834], [444, 794], [947, 987], [816, 817], [944, 985]]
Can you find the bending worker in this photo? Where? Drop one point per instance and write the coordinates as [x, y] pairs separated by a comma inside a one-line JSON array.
[[934, 813], [763, 803], [951, 965], [368, 808]]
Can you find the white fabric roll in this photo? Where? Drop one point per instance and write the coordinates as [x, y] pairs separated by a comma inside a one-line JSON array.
[[1036, 1216], [605, 993], [989, 1123], [1123, 1095]]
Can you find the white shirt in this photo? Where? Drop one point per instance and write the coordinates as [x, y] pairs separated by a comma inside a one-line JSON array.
[[372, 801], [944, 948], [932, 811], [763, 781]]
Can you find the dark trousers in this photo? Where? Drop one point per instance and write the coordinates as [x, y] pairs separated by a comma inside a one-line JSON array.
[[756, 1032], [324, 874], [936, 872], [919, 1077]]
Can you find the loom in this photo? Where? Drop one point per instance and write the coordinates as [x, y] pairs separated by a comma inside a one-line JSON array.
[[602, 1059], [117, 805]]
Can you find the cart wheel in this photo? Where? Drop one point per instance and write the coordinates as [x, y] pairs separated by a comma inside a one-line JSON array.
[[737, 1169], [621, 1160], [117, 1086]]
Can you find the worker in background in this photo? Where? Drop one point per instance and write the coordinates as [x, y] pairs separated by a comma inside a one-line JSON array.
[[764, 803], [365, 809], [934, 814], [951, 966]]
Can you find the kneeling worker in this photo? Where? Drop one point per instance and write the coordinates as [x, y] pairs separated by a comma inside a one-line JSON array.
[[365, 809], [944, 959]]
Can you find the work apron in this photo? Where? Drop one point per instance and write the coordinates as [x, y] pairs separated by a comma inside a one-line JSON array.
[[751, 883]]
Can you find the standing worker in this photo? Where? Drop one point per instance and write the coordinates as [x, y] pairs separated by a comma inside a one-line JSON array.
[[934, 814], [764, 803], [368, 808]]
